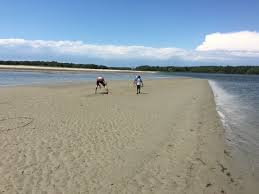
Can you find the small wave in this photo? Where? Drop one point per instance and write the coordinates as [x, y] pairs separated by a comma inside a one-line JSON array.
[[219, 93]]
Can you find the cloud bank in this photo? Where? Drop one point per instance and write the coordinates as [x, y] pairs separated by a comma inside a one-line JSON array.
[[102, 51], [237, 48], [244, 41]]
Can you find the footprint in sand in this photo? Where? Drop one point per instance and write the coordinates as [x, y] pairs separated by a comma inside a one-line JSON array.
[[7, 124]]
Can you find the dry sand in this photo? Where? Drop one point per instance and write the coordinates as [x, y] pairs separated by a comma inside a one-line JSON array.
[[65, 139], [40, 68]]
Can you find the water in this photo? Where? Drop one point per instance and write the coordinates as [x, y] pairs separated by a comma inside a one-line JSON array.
[[236, 98], [14, 78], [237, 103]]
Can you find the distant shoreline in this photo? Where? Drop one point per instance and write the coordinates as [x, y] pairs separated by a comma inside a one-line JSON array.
[[41, 68]]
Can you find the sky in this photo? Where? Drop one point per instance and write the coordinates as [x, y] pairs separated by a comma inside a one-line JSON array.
[[131, 32]]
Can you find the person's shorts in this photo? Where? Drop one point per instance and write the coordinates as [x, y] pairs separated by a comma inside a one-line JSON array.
[[100, 82], [138, 86]]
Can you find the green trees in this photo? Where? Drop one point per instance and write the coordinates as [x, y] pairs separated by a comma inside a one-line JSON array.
[[204, 69], [53, 64], [194, 69], [58, 64]]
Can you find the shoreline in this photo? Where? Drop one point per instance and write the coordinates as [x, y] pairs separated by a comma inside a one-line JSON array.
[[240, 162], [37, 68], [169, 139]]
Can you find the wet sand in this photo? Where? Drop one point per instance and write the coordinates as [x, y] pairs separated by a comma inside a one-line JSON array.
[[66, 139]]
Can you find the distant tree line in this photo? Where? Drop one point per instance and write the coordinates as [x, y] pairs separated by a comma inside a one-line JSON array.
[[58, 64], [194, 69], [203, 69]]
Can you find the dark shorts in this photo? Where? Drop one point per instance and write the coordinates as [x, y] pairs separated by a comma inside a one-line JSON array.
[[138, 86], [100, 82]]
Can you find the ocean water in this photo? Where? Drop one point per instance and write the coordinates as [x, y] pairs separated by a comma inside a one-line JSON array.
[[236, 97]]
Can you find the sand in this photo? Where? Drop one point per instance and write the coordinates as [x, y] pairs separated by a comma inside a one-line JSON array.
[[65, 139], [41, 68]]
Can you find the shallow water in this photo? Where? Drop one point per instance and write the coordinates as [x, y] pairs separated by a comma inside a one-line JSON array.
[[236, 98]]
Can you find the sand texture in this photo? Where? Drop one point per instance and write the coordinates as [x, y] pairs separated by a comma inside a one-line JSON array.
[[65, 139]]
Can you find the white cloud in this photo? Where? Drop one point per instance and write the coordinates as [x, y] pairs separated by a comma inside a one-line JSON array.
[[239, 48], [91, 50], [244, 41]]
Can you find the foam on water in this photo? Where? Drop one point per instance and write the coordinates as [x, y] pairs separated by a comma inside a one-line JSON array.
[[231, 112], [221, 98]]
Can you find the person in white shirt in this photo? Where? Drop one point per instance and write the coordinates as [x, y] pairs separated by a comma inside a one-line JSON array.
[[138, 82]]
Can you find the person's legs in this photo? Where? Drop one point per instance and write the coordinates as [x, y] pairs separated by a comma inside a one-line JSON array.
[[138, 89], [97, 85], [105, 86]]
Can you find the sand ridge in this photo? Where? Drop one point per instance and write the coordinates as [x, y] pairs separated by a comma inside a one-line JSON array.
[[65, 139]]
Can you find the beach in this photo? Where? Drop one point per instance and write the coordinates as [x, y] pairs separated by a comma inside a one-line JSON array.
[[71, 69], [65, 139]]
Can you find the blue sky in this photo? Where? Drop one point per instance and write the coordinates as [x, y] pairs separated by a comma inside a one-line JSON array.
[[131, 32]]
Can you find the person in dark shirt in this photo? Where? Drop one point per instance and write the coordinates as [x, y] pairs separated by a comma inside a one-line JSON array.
[[100, 81]]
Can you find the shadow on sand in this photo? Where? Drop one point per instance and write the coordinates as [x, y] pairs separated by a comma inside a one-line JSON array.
[[102, 93], [97, 94]]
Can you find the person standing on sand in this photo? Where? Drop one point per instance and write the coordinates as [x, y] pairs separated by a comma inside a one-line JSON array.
[[138, 82], [100, 80]]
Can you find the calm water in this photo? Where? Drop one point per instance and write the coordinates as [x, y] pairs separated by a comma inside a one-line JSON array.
[[236, 97], [12, 78]]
